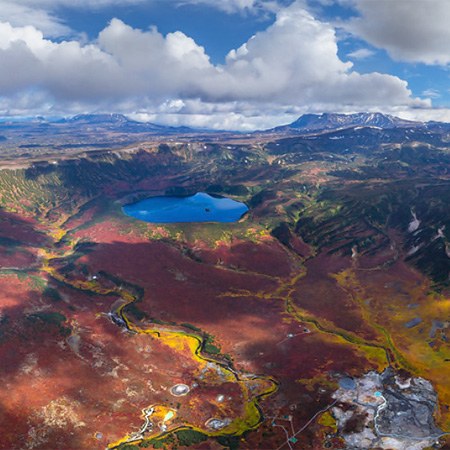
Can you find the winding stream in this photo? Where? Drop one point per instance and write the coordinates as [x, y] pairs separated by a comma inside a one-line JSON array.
[[154, 422]]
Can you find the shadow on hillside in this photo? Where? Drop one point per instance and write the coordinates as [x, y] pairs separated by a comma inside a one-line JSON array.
[[18, 231]]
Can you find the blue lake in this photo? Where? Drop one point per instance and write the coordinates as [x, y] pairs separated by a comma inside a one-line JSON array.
[[200, 207]]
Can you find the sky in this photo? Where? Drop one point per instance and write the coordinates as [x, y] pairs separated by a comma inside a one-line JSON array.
[[224, 64]]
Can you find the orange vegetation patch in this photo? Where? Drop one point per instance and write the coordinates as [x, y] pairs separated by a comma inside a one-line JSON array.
[[399, 300]]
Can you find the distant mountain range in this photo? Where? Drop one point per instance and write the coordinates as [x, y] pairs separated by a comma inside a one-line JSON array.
[[98, 131], [119, 122], [327, 121], [113, 119], [101, 130], [113, 122]]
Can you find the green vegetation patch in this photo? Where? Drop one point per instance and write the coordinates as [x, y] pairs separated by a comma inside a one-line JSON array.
[[133, 310], [190, 437], [51, 318], [210, 347], [238, 190], [191, 327], [38, 283], [229, 442], [183, 438], [4, 325], [52, 294], [156, 443], [8, 242]]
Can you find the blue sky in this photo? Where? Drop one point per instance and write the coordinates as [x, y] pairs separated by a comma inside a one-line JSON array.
[[208, 26], [237, 64]]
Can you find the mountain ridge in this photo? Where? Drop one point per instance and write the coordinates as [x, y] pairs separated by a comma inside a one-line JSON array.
[[305, 124], [334, 121]]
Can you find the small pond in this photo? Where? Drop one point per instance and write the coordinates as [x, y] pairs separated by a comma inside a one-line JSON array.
[[200, 207]]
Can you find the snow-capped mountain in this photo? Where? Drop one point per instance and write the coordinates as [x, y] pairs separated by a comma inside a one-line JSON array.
[[327, 121]]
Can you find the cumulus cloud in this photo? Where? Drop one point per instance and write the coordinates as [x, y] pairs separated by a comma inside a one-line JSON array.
[[295, 60], [293, 63], [65, 70], [413, 31]]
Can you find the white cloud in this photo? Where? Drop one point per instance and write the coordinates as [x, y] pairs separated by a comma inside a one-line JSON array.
[[234, 6], [431, 93], [248, 117], [21, 14], [361, 53], [295, 60], [66, 70], [424, 115], [43, 14], [410, 30], [289, 68]]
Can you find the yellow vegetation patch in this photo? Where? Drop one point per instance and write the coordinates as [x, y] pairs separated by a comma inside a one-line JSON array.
[[327, 420]]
